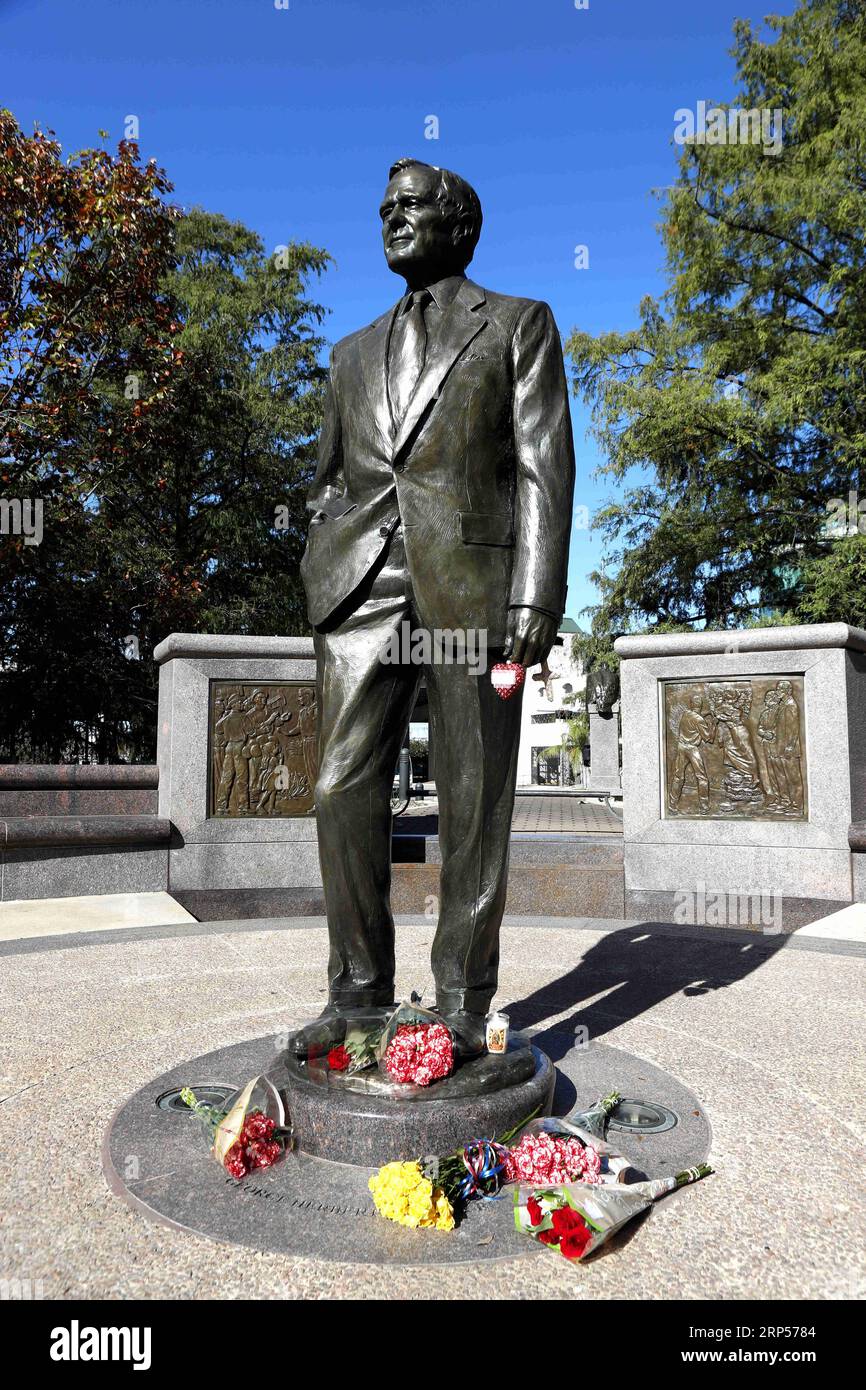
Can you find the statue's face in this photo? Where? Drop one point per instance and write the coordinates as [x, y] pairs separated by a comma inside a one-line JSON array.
[[417, 235]]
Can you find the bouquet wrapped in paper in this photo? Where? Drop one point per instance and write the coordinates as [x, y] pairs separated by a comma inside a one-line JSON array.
[[416, 1047], [357, 1049], [595, 1120], [342, 1045], [251, 1132], [551, 1150], [578, 1218]]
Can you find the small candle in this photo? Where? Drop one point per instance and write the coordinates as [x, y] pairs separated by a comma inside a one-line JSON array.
[[497, 1032]]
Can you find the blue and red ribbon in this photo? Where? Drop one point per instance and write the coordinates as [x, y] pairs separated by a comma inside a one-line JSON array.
[[484, 1161]]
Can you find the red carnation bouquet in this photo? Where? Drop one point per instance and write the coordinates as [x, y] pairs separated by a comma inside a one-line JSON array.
[[357, 1050], [578, 1218], [416, 1047], [252, 1133]]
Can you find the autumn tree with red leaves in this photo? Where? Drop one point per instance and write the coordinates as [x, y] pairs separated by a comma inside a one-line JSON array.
[[160, 393]]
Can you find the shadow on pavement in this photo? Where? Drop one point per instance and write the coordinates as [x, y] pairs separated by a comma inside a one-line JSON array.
[[635, 968]]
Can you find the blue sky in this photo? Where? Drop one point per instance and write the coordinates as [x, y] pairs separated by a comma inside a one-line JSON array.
[[287, 119]]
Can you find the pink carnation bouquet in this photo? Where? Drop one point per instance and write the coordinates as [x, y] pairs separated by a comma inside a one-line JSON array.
[[552, 1150], [543, 1159], [416, 1047], [420, 1053]]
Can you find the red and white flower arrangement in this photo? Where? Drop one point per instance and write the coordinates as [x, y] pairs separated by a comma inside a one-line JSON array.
[[420, 1053], [542, 1159]]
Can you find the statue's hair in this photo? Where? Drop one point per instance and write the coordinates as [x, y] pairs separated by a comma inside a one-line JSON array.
[[458, 200]]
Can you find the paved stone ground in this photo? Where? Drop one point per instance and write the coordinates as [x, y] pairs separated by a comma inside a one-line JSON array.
[[563, 815], [532, 814], [768, 1033]]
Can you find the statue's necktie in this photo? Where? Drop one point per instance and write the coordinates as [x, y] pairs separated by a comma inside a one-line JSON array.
[[407, 359]]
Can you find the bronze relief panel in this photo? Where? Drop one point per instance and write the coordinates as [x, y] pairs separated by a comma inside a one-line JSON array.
[[263, 748], [735, 749]]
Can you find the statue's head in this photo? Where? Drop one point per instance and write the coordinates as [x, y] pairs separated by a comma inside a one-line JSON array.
[[431, 222]]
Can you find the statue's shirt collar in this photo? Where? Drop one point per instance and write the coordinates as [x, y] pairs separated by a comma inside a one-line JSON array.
[[443, 292]]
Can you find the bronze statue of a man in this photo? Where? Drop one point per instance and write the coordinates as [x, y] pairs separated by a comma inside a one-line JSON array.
[[442, 498]]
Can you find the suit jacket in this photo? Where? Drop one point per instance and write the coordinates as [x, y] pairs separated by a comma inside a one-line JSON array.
[[480, 471]]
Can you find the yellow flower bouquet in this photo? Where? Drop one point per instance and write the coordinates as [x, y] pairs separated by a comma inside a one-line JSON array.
[[403, 1194]]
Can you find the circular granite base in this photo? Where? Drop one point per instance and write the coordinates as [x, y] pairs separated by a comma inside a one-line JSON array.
[[360, 1120], [158, 1161]]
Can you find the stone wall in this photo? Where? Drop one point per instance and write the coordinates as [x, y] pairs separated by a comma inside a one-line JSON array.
[[73, 830], [243, 862], [742, 841]]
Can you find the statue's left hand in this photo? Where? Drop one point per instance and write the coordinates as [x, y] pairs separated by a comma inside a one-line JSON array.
[[529, 635]]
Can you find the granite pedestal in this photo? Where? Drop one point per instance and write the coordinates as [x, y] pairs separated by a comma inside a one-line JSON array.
[[767, 872], [228, 866], [360, 1120]]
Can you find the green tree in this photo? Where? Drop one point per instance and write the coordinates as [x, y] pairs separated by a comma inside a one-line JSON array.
[[735, 412], [217, 539], [174, 483], [84, 245]]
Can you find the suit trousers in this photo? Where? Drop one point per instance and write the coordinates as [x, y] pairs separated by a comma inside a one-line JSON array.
[[365, 704]]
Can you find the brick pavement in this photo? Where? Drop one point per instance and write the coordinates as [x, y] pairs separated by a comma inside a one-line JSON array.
[[540, 815]]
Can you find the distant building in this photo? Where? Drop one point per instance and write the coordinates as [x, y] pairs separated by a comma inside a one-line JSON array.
[[542, 758]]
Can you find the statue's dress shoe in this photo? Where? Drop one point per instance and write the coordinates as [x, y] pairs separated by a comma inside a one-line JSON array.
[[469, 1032], [324, 1032], [333, 1023]]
